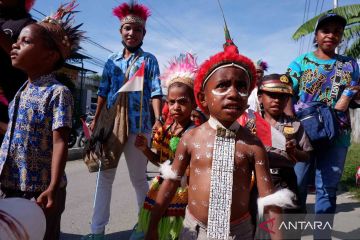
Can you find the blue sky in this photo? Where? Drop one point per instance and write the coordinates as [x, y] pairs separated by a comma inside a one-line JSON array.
[[261, 29]]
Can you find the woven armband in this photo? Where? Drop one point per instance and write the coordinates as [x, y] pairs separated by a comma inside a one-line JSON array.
[[167, 172], [282, 198]]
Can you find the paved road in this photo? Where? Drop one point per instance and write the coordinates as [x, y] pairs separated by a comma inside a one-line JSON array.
[[80, 190]]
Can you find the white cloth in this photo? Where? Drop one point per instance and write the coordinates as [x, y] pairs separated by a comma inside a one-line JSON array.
[[136, 163], [253, 101]]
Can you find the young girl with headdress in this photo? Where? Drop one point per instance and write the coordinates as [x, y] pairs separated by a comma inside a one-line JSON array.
[[34, 150], [179, 77]]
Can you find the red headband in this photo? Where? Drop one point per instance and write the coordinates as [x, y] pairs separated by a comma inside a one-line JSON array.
[[229, 55]]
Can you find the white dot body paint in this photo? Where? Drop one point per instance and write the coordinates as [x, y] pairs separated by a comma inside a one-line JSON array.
[[184, 143], [265, 178], [204, 203], [196, 145], [193, 202], [260, 162], [209, 155], [181, 157], [197, 171], [208, 170], [194, 187], [240, 155]]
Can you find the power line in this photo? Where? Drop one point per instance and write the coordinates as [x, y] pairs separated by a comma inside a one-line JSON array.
[[88, 40], [315, 14], [303, 21]]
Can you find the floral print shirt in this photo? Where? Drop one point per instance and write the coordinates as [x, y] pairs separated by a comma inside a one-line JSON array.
[[37, 110]]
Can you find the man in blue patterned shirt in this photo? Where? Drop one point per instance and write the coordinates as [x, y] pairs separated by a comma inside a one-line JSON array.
[[34, 150], [130, 59]]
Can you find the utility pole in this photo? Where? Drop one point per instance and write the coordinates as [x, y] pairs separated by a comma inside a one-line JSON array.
[[335, 6]]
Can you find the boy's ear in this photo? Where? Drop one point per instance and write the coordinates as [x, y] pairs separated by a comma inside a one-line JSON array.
[[202, 99], [53, 56]]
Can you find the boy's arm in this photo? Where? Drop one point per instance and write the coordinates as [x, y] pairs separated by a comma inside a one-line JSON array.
[[265, 188], [296, 154], [299, 148], [169, 186], [59, 157]]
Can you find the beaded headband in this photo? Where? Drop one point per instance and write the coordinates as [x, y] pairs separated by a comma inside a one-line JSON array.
[[132, 13]]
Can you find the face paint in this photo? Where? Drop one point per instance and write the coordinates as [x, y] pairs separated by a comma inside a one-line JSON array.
[[216, 92]]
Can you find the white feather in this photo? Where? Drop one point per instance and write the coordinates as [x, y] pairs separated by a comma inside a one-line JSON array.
[[167, 172], [282, 198]]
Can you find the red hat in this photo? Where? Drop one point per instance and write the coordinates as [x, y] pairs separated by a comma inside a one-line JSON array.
[[132, 13], [228, 57]]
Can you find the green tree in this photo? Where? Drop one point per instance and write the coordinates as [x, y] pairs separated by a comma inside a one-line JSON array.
[[351, 38]]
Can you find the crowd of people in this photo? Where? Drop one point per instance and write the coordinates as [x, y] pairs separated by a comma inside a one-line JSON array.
[[219, 176]]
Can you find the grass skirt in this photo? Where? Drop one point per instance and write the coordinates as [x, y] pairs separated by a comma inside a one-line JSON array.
[[171, 223]]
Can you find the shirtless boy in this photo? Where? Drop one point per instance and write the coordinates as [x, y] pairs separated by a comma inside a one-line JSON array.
[[221, 155]]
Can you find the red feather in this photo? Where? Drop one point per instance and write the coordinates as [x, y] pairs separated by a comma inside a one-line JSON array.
[[125, 9]]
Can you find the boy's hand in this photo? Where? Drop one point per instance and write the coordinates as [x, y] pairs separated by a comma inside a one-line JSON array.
[[290, 149], [141, 142], [92, 125], [156, 126], [152, 234], [46, 199]]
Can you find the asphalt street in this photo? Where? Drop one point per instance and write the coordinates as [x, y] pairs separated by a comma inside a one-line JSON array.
[[80, 195]]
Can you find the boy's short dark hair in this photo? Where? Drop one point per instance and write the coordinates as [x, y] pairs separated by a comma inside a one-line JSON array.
[[189, 90], [51, 45]]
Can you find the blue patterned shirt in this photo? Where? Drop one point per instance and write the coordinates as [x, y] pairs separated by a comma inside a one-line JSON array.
[[37, 110], [314, 79], [113, 79]]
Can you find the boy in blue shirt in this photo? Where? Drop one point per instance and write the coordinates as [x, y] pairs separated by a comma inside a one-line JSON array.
[[34, 151]]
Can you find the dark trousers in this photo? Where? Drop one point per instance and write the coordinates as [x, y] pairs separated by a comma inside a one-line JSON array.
[[53, 217]]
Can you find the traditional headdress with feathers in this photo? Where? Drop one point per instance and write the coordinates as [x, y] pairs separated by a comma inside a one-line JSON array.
[[260, 64], [60, 28], [29, 4], [132, 13], [181, 69], [229, 57]]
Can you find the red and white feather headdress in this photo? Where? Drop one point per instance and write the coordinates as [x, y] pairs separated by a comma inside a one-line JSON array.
[[181, 69], [61, 29], [132, 13]]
